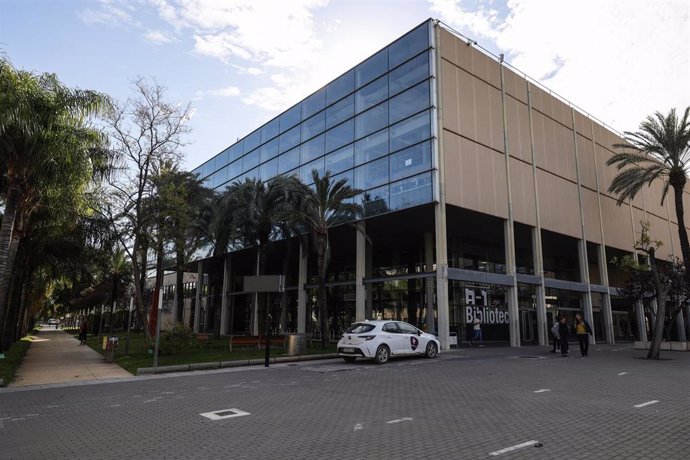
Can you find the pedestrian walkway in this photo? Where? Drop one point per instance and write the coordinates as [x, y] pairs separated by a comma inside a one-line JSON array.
[[56, 357]]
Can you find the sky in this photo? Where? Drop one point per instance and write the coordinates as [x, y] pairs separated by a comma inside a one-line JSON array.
[[241, 62]]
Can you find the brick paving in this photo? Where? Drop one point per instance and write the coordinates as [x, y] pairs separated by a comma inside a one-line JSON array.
[[465, 404]]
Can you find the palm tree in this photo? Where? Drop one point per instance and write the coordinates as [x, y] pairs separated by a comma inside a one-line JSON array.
[[325, 205], [45, 141], [658, 151]]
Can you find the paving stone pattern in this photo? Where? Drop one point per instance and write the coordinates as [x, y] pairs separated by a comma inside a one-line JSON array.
[[465, 404]]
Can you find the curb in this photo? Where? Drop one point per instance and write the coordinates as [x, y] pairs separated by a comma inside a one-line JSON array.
[[227, 364]]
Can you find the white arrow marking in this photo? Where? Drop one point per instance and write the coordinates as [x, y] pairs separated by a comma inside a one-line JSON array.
[[622, 373], [404, 419], [542, 390], [359, 426], [515, 447], [647, 403]]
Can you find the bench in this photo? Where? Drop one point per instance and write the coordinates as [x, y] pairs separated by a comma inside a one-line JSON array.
[[253, 340], [202, 339]]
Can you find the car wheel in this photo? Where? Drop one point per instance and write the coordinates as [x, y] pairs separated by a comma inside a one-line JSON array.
[[382, 354], [431, 350], [349, 359]]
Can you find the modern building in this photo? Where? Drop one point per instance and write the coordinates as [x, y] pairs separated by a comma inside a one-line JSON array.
[[485, 195]]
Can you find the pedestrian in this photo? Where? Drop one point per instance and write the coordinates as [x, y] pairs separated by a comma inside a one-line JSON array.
[[582, 331], [563, 333], [556, 338], [83, 328], [477, 330]]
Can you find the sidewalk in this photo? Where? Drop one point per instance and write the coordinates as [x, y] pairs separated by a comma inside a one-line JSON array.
[[56, 357]]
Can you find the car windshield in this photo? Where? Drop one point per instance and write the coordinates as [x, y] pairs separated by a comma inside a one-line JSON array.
[[360, 328]]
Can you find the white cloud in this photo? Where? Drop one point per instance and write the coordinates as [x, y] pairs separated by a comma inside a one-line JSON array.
[[107, 13], [621, 60], [157, 37], [228, 91]]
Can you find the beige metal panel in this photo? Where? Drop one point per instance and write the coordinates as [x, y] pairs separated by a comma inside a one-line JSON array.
[[638, 216], [652, 197], [541, 101], [515, 85], [451, 96], [482, 112], [518, 130], [675, 239], [566, 165], [455, 50], [585, 151], [606, 173], [522, 183], [583, 125], [496, 114], [590, 208], [561, 112], [475, 176], [539, 138], [467, 109], [617, 224], [658, 231], [559, 205], [493, 75], [686, 207]]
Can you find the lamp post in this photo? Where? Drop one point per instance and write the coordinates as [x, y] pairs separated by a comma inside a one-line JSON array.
[[158, 329], [129, 324]]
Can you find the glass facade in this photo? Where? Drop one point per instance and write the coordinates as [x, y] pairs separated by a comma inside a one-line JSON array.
[[372, 125]]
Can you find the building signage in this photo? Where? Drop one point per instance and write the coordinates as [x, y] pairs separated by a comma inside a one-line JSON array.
[[476, 301]]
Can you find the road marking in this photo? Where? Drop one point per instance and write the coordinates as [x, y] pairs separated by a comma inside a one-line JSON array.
[[542, 390], [515, 447], [622, 373], [17, 419], [647, 403], [225, 413], [359, 426], [32, 415], [153, 399], [404, 419]]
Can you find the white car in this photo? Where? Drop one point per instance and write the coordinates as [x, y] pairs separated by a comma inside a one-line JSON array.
[[379, 340]]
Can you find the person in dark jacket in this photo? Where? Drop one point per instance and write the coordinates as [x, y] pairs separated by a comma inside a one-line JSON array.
[[563, 333], [582, 332], [83, 328]]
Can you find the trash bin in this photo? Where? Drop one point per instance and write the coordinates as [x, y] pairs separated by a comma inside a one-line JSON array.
[[296, 344], [110, 347]]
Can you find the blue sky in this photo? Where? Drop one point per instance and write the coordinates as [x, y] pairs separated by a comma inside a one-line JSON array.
[[241, 62]]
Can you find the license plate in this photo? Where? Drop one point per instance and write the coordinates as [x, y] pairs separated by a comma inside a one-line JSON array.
[[348, 350]]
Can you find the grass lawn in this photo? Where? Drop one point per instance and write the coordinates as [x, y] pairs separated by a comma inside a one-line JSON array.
[[211, 351], [13, 358]]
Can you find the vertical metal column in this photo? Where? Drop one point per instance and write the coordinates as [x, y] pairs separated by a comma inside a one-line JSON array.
[[255, 299], [199, 291], [360, 268], [429, 262], [301, 291], [224, 296]]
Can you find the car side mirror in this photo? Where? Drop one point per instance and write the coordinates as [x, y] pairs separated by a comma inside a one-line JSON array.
[[419, 332]]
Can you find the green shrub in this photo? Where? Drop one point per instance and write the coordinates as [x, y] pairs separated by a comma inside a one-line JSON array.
[[13, 358], [180, 337]]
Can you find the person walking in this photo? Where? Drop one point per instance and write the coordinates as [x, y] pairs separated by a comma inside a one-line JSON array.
[[556, 338], [477, 330], [563, 333], [582, 331], [83, 328]]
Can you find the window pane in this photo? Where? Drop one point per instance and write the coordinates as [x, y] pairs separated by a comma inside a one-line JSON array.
[[312, 149], [339, 136], [250, 160], [374, 201], [371, 147], [235, 169], [340, 111], [221, 160], [305, 171], [340, 87], [373, 67], [372, 174], [340, 160], [314, 103], [409, 45], [268, 170], [289, 139], [269, 130], [410, 131], [410, 192], [408, 74], [237, 150], [268, 150], [371, 120], [349, 175], [371, 94], [410, 161], [252, 141], [411, 101], [315, 125], [290, 118], [288, 160]]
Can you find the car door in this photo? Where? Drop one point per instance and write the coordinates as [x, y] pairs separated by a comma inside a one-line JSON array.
[[390, 333], [411, 339]]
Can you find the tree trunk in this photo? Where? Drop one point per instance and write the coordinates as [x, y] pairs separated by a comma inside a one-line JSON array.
[[6, 265], [657, 335], [682, 231], [179, 283], [321, 297]]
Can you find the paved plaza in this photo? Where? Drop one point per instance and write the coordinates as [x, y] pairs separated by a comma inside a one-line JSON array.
[[470, 403]]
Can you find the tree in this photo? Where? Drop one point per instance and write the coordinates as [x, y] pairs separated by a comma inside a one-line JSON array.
[[146, 132], [327, 204], [663, 283], [46, 143], [658, 151]]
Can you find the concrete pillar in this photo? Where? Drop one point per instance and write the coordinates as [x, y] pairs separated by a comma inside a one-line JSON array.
[[511, 291], [429, 286], [606, 307], [584, 277], [199, 291], [680, 325], [255, 300], [360, 272], [641, 322], [542, 326], [301, 291], [224, 312]]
